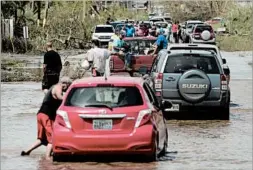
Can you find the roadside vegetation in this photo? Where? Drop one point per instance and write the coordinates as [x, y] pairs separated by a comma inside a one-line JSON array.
[[69, 23]]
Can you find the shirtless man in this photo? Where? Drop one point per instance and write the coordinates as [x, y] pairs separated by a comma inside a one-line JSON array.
[[46, 116]]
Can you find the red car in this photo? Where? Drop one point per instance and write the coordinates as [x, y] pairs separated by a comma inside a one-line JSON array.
[[141, 48], [118, 115]]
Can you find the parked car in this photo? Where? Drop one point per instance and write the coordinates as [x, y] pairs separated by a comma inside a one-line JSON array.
[[168, 18], [117, 115], [151, 15], [140, 48], [114, 24], [187, 29], [203, 47], [163, 25], [120, 26], [202, 34], [191, 79], [157, 19], [103, 34]]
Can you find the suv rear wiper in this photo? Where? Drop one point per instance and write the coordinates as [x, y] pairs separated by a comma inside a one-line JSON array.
[[99, 105]]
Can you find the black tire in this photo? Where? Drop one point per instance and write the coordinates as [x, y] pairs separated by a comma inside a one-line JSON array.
[[225, 110], [187, 39], [57, 158], [154, 156], [225, 113]]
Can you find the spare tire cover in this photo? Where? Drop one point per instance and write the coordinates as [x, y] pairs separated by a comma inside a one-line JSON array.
[[194, 86], [205, 35]]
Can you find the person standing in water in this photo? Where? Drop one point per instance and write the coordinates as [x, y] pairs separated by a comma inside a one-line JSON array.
[[46, 116], [52, 67]]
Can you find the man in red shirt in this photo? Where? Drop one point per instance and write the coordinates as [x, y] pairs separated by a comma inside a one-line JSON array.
[[175, 31]]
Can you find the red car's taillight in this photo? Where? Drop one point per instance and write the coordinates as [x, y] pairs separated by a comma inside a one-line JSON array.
[[158, 83], [62, 118], [143, 118], [224, 82]]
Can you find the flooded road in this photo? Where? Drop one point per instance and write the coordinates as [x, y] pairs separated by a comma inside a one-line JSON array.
[[200, 145]]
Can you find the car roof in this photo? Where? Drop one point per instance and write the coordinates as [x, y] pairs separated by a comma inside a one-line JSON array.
[[141, 38], [197, 25], [104, 26], [193, 21], [121, 80], [157, 17], [192, 51], [193, 45], [160, 22]]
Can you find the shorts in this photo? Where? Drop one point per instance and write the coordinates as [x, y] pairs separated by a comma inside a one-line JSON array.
[[45, 128], [49, 80]]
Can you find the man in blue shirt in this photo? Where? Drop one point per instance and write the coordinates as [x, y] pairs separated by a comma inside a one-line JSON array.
[[130, 31], [161, 42], [122, 49]]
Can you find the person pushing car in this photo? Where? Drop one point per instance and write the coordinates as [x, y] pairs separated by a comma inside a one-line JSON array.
[[46, 116]]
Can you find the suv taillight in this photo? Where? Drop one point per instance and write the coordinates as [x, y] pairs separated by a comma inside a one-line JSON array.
[[212, 35], [158, 83], [62, 119], [143, 118], [224, 82]]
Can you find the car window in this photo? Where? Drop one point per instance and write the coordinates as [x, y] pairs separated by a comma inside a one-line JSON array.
[[192, 48], [180, 63], [163, 25], [110, 96], [200, 29], [151, 95], [104, 30]]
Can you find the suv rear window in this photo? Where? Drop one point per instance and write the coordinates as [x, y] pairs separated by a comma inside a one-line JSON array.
[[192, 48], [104, 30], [182, 62], [200, 29], [111, 97]]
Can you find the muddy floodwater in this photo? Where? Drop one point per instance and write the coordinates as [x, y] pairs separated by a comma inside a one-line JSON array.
[[193, 145]]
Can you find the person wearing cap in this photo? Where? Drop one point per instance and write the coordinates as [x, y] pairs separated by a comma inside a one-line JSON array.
[[46, 116], [161, 42], [52, 67]]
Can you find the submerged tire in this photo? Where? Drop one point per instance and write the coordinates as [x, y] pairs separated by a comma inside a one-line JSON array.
[[57, 158]]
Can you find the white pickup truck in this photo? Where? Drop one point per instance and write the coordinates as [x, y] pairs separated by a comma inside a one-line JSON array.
[[103, 34]]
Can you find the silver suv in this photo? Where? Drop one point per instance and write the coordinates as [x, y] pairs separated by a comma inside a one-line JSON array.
[[191, 79], [202, 34]]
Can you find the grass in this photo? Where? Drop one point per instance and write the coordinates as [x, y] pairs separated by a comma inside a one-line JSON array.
[[235, 43]]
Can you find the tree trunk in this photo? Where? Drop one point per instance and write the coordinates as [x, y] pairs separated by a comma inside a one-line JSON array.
[[46, 13]]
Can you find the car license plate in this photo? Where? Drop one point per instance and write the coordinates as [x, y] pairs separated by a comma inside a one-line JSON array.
[[105, 124], [174, 108]]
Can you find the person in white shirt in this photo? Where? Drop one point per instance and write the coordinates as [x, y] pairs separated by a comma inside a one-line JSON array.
[[98, 59]]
